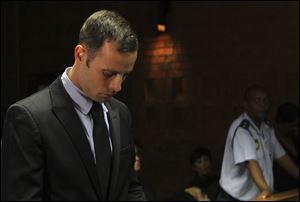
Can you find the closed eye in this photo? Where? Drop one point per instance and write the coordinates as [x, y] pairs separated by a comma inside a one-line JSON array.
[[109, 74]]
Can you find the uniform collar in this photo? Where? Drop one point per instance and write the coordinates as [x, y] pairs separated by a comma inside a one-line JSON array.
[[253, 125]]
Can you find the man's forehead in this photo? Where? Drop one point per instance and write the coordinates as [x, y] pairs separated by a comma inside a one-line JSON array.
[[257, 93]]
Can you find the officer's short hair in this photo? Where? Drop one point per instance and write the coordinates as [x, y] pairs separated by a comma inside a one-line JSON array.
[[252, 88], [198, 153], [287, 113]]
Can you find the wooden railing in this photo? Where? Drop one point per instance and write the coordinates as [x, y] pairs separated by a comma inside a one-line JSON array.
[[291, 195]]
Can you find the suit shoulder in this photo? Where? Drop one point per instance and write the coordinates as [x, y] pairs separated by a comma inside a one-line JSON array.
[[35, 101], [115, 103]]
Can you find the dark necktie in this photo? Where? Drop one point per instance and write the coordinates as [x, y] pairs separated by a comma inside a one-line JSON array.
[[102, 147]]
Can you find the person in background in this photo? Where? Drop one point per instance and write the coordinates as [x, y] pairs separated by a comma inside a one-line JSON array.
[[72, 140], [203, 177], [204, 184], [287, 132], [149, 191], [251, 147]]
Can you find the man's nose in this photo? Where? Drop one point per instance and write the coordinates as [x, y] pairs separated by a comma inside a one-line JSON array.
[[116, 84]]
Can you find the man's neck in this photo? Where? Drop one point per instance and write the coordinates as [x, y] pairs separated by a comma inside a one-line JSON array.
[[256, 121]]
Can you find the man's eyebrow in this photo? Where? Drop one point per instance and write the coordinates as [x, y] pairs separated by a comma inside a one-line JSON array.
[[125, 74]]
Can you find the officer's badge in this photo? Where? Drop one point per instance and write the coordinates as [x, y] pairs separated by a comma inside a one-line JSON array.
[[256, 144]]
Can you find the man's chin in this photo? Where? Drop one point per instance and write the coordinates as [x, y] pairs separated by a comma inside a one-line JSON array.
[[103, 98]]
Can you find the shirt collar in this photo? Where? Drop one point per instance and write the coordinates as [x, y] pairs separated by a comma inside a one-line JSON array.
[[80, 100], [263, 124]]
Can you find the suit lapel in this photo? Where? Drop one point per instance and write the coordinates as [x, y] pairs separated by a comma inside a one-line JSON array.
[[65, 112], [114, 121]]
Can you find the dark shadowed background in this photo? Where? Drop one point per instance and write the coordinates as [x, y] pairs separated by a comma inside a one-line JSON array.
[[188, 83]]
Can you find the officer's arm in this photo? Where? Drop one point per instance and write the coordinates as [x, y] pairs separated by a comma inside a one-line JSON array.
[[257, 176], [286, 162]]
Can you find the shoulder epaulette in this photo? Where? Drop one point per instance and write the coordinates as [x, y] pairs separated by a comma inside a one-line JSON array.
[[245, 124]]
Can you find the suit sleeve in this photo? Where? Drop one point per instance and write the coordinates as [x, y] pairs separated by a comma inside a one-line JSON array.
[[21, 157], [135, 192]]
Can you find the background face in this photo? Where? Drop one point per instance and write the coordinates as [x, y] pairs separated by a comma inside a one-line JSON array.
[[137, 163], [202, 165], [258, 105], [290, 129]]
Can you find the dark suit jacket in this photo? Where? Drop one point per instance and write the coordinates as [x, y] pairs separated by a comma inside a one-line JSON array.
[[46, 155]]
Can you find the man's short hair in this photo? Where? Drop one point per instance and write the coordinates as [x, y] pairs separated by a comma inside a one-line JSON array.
[[252, 88], [107, 25]]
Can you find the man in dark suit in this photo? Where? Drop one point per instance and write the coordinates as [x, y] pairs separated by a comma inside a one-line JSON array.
[[50, 147]]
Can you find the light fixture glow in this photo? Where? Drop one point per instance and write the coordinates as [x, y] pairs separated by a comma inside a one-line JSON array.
[[161, 27]]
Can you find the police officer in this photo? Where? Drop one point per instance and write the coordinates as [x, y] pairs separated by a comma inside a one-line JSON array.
[[251, 146]]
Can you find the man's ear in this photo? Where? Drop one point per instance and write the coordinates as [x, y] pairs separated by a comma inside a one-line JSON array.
[[79, 53]]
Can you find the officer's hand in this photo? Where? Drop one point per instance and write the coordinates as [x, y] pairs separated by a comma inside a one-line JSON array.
[[263, 195]]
